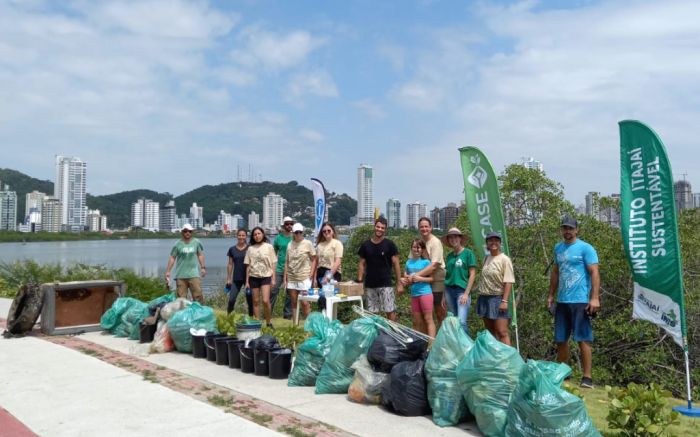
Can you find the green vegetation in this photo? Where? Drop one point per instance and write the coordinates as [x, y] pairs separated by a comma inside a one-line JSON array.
[[640, 411]]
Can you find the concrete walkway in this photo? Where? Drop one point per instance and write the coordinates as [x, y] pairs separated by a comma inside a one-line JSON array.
[[64, 386]]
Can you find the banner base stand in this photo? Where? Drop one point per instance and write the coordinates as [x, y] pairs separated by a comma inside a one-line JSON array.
[[688, 410]]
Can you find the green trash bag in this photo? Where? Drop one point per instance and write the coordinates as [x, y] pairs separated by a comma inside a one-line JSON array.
[[487, 376], [311, 354], [194, 316], [113, 316], [354, 340], [132, 318], [540, 408], [166, 298], [444, 393]]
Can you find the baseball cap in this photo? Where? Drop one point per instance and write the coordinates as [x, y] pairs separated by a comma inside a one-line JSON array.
[[569, 221], [493, 235], [288, 219], [298, 227], [187, 227]]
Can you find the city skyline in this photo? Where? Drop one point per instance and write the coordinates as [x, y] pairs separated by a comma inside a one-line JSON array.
[[286, 91]]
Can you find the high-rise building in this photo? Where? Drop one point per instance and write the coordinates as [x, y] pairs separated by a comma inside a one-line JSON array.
[[448, 215], [168, 216], [532, 163], [592, 206], [610, 214], [71, 189], [393, 213], [238, 222], [181, 221], [145, 214], [51, 214], [365, 196], [253, 220], [197, 216], [273, 211], [8, 209], [96, 221], [414, 211], [696, 200], [435, 217], [33, 202], [225, 222], [684, 194]]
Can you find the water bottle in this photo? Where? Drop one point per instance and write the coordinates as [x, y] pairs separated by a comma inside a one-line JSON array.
[[334, 283], [311, 291], [248, 291], [327, 277]]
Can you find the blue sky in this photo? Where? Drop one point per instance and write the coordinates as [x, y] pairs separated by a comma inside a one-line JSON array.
[[171, 95]]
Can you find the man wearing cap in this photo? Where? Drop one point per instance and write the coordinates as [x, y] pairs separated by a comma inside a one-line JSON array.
[[377, 257], [188, 253], [280, 245], [576, 281]]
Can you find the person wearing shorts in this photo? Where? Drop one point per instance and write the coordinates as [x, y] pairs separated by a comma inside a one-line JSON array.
[[297, 267], [260, 259], [187, 255], [421, 293], [495, 285], [378, 256], [436, 270], [575, 279], [235, 273]]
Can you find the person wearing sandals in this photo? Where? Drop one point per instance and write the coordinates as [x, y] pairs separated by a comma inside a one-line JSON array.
[[235, 273], [460, 268], [297, 267], [260, 276], [495, 285]]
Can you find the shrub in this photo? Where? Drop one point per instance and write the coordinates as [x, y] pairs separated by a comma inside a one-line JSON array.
[[639, 410]]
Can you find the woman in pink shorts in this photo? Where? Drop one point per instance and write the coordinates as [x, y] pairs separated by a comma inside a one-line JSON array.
[[421, 292]]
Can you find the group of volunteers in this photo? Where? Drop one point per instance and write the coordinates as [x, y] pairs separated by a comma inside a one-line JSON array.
[[437, 283]]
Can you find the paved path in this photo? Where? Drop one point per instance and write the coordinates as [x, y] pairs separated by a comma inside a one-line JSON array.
[[71, 386]]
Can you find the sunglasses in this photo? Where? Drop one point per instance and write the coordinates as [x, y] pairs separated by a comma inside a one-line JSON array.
[[186, 232], [298, 232], [327, 231], [289, 224]]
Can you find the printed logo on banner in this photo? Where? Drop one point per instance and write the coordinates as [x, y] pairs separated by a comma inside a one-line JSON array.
[[478, 176], [319, 212]]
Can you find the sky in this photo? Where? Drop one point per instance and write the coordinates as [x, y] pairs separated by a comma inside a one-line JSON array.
[[171, 95]]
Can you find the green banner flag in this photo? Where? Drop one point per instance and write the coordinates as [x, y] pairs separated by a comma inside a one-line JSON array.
[[483, 201], [650, 229]]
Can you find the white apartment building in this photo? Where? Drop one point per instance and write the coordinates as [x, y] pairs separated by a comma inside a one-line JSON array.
[[273, 211], [96, 221], [365, 196], [168, 217], [414, 211], [8, 209], [51, 214], [393, 213], [253, 220], [145, 214], [70, 189], [196, 216]]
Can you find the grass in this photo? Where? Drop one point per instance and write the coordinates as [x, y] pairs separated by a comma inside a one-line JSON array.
[[150, 375], [294, 431], [597, 403], [221, 401]]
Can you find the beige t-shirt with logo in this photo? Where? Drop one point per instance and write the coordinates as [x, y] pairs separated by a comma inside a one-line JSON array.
[[435, 253], [299, 260], [328, 251], [261, 260], [497, 271]]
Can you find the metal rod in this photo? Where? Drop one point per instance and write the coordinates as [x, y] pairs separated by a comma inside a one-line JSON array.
[[687, 373]]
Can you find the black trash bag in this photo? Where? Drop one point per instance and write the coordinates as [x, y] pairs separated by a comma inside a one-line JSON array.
[[409, 389], [387, 351], [387, 398], [264, 343]]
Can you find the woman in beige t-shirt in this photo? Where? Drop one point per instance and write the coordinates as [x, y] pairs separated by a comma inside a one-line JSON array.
[[260, 275], [297, 267], [329, 254], [495, 285]]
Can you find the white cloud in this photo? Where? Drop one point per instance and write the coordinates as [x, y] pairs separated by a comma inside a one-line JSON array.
[[370, 108], [274, 51], [311, 135], [316, 83]]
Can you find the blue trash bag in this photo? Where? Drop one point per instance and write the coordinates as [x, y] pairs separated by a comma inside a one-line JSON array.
[[311, 354], [131, 321], [487, 376], [444, 393], [112, 318], [194, 316], [160, 300], [539, 407], [354, 340]]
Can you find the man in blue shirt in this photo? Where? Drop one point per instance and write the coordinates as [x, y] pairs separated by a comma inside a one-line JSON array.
[[576, 280]]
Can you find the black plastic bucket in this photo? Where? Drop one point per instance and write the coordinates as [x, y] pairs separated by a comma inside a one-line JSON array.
[[222, 350], [198, 348], [261, 363], [279, 363], [210, 346], [146, 333], [234, 355], [247, 359]]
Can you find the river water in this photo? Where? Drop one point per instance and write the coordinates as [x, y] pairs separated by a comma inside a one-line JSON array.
[[145, 257]]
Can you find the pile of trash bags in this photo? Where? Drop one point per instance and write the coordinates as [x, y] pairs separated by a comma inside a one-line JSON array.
[[311, 354], [124, 317]]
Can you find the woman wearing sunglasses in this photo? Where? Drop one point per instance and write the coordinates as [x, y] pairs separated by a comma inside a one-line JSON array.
[[260, 276], [297, 267], [329, 254]]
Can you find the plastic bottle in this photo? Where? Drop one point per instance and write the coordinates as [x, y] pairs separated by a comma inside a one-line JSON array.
[[334, 283]]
